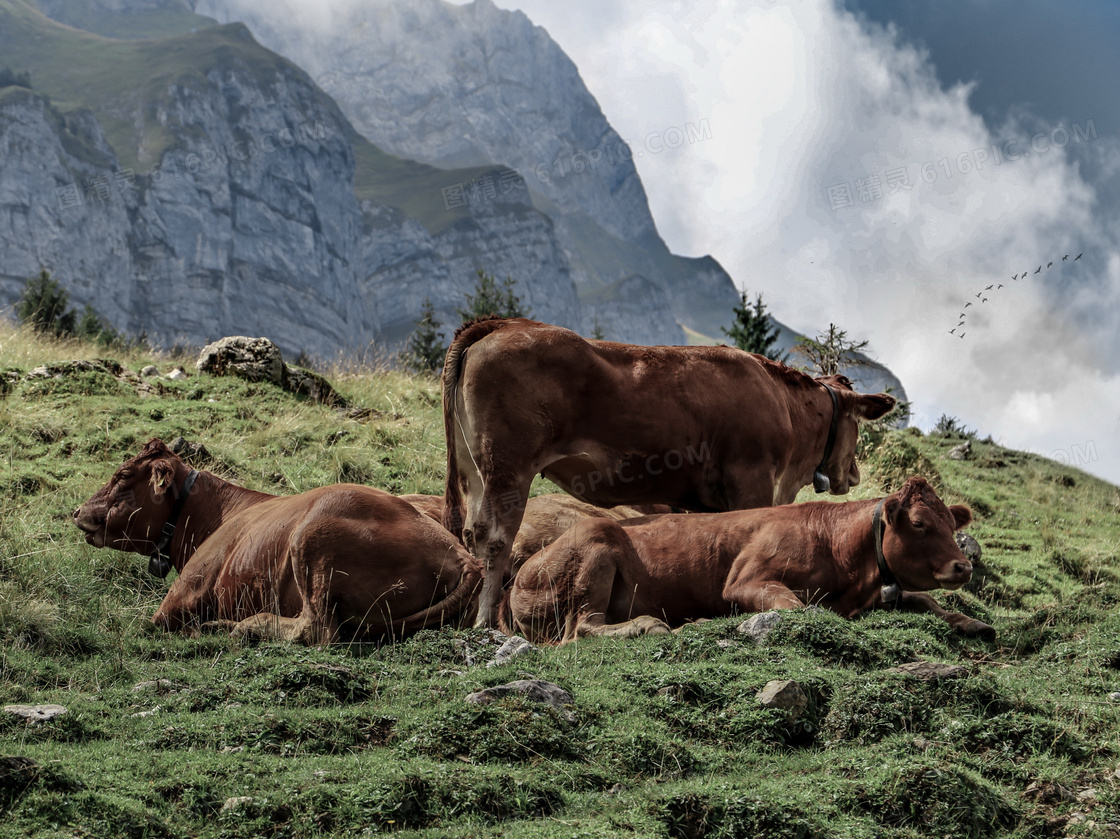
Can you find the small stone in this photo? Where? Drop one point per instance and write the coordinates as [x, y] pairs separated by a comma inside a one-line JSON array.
[[784, 694], [149, 370], [536, 690], [142, 714], [961, 452], [1115, 696], [236, 803], [759, 626], [727, 643], [513, 648], [160, 685], [617, 789], [35, 713], [969, 546], [1087, 796], [177, 374], [929, 670]]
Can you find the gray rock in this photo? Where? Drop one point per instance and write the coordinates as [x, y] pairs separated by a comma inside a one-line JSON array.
[[255, 359], [784, 694], [930, 671], [177, 374], [312, 385], [758, 627], [1115, 697], [961, 452], [536, 690], [154, 685], [969, 546], [149, 370], [190, 452], [236, 803], [148, 713], [514, 647], [35, 713]]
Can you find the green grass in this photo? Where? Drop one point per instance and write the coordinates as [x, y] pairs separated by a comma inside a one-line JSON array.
[[665, 737]]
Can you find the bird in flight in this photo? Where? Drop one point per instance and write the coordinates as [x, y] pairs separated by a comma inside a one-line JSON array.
[[979, 293], [1064, 258], [951, 331], [1015, 277], [1078, 256], [1039, 271], [961, 335], [966, 305], [1048, 264], [1000, 286], [985, 300], [989, 288]]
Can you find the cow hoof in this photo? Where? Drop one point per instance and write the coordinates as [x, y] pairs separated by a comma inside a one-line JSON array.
[[647, 625], [979, 629]]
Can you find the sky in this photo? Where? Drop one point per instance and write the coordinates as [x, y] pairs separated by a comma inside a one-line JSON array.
[[878, 164]]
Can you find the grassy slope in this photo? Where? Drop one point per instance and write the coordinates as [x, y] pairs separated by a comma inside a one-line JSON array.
[[386, 743], [121, 79]]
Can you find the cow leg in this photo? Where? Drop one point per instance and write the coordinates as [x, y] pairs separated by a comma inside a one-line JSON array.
[[568, 590], [267, 626], [760, 595], [488, 532], [921, 602]]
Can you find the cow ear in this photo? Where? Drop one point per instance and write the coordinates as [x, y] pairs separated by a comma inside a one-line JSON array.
[[962, 515], [891, 510], [871, 406], [163, 473]]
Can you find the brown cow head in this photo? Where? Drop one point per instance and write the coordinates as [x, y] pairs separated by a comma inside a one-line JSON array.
[[918, 543], [841, 468], [129, 512]]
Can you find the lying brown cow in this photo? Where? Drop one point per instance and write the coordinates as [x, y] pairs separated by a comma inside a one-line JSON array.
[[548, 517], [701, 428], [645, 575], [343, 560]]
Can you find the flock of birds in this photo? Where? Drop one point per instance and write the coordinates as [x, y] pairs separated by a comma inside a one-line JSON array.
[[980, 294]]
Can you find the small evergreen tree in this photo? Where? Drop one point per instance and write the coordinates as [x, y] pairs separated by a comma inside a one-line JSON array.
[[829, 350], [425, 352], [753, 331], [11, 77], [42, 306], [490, 298], [597, 332]]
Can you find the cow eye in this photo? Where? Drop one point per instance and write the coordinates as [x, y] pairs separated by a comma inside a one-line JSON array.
[[917, 524]]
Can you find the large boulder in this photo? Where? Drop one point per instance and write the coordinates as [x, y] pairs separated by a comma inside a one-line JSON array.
[[260, 360], [255, 359]]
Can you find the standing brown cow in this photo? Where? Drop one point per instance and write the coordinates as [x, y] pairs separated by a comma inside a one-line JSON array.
[[340, 560], [645, 575], [701, 428]]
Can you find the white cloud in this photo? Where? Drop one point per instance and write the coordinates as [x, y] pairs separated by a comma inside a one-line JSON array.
[[803, 97]]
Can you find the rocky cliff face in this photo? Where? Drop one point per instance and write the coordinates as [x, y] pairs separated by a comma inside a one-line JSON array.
[[248, 223], [474, 84]]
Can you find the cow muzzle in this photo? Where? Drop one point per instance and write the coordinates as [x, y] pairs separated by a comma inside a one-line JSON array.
[[957, 575]]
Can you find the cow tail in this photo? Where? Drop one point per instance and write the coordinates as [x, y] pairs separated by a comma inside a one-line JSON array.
[[505, 613], [466, 335], [456, 608]]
